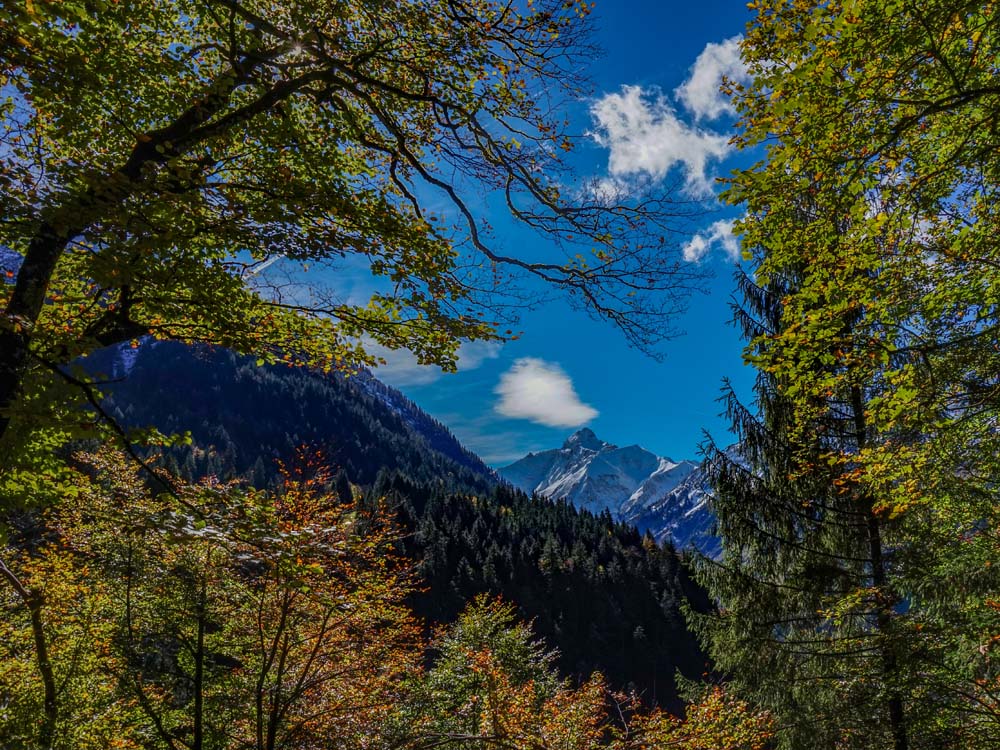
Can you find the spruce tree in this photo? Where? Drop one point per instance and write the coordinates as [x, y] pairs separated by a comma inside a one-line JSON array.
[[858, 622], [809, 603], [857, 589]]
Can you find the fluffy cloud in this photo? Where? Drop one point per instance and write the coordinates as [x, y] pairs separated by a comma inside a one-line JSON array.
[[542, 392], [646, 138], [700, 93], [719, 234], [401, 367]]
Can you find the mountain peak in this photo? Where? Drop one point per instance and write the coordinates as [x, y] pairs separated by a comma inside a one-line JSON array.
[[584, 438], [668, 498]]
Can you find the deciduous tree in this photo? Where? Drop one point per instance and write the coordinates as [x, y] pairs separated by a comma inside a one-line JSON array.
[[155, 158], [715, 721], [871, 220], [493, 685], [216, 618]]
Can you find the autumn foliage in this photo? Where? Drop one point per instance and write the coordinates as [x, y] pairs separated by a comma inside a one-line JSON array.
[[221, 617], [717, 720]]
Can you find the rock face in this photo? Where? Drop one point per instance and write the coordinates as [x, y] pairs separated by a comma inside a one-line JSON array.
[[683, 516], [659, 495]]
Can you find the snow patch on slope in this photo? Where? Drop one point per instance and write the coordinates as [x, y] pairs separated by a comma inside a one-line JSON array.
[[669, 499], [596, 476]]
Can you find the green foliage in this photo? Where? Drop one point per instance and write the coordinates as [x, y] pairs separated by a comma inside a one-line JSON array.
[[455, 682], [79, 637], [46, 418], [492, 625], [855, 585], [211, 618], [156, 159]]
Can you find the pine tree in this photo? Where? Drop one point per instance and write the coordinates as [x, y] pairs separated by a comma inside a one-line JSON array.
[[857, 589], [807, 591]]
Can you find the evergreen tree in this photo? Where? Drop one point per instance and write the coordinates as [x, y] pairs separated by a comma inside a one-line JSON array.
[[857, 591], [493, 684], [807, 607], [830, 613], [587, 583]]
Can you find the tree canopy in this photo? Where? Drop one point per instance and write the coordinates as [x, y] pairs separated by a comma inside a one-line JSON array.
[[860, 531], [156, 157], [222, 617]]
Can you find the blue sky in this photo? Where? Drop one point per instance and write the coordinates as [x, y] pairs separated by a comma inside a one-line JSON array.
[[567, 371]]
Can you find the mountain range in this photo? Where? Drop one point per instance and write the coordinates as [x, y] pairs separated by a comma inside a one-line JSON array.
[[593, 587], [244, 418], [665, 497]]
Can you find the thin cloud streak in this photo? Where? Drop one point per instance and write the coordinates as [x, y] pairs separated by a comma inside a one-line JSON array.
[[402, 369]]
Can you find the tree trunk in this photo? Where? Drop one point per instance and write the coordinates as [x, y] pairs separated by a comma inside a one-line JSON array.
[[60, 224], [34, 601], [198, 741], [25, 304], [883, 620]]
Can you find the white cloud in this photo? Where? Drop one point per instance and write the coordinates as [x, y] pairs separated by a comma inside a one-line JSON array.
[[719, 234], [542, 392], [700, 93], [645, 137], [608, 191], [401, 367]]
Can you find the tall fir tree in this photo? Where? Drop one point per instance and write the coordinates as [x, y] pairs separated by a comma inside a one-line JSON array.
[[854, 597], [860, 522], [808, 608]]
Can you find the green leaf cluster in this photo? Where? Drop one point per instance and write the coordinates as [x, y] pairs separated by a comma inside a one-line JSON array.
[[860, 524]]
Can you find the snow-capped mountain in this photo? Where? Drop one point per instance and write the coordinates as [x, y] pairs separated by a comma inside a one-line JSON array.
[[657, 494], [682, 515]]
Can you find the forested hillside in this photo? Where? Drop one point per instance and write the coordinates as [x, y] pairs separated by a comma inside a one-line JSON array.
[[244, 418], [607, 598]]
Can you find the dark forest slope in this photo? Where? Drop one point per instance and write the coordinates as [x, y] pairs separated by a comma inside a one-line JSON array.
[[243, 418], [607, 597]]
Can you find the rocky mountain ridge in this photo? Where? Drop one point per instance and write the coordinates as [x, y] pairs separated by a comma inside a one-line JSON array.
[[657, 494]]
